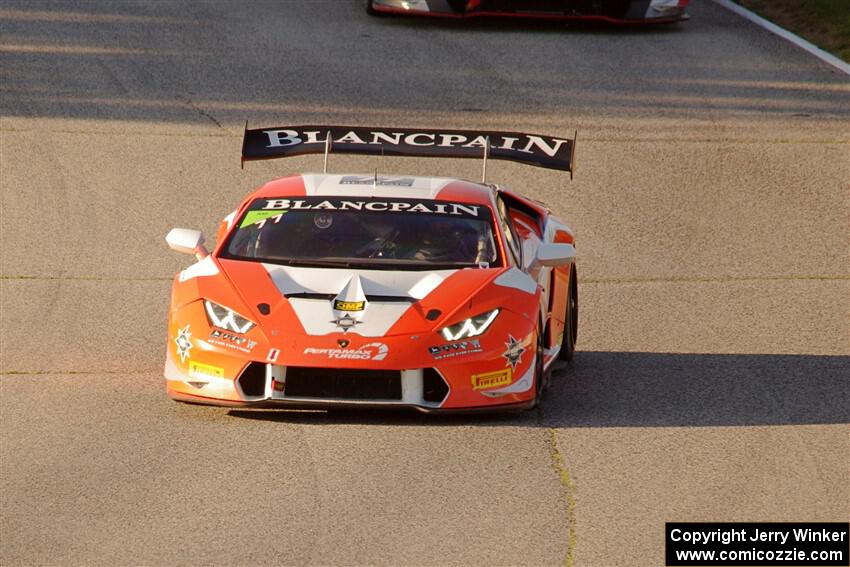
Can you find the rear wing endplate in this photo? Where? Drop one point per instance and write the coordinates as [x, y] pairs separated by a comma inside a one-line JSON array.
[[532, 149]]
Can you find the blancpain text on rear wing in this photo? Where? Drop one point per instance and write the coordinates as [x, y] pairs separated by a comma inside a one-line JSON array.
[[532, 149]]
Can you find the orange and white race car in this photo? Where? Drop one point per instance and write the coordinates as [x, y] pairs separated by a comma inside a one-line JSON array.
[[365, 290]]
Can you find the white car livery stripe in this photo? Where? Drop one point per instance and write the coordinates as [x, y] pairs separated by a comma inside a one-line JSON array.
[[316, 184], [318, 316], [206, 267], [517, 279]]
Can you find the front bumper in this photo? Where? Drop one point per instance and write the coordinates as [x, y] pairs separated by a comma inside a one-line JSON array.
[[340, 404], [418, 370], [426, 390]]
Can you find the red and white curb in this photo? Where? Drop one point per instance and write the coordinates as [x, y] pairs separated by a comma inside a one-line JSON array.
[[827, 58]]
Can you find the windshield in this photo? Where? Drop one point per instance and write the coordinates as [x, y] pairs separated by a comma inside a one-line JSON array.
[[365, 232]]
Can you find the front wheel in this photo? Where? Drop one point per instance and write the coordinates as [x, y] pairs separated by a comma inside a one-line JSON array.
[[568, 340]]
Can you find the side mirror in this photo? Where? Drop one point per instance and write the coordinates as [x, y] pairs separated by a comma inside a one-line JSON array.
[[187, 241], [552, 254]]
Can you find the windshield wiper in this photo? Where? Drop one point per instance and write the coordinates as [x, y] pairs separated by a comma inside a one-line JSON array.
[[307, 262], [325, 262], [450, 266], [370, 263]]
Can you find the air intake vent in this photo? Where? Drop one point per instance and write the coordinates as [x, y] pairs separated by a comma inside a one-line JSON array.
[[345, 384], [434, 387], [253, 379]]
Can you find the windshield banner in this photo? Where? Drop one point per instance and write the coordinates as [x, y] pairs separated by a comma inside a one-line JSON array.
[[532, 149], [369, 205]]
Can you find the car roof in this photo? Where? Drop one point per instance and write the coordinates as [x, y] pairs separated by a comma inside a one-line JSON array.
[[384, 186]]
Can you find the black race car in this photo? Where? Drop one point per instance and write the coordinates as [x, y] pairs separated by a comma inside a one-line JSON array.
[[612, 11]]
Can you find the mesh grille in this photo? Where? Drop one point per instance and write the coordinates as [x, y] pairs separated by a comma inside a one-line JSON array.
[[337, 383]]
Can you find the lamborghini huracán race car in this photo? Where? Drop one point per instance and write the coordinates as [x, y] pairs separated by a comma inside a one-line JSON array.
[[326, 290]]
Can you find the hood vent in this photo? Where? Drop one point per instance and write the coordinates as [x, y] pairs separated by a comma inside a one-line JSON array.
[[369, 298]]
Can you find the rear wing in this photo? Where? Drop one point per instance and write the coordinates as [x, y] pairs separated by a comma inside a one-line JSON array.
[[531, 149]]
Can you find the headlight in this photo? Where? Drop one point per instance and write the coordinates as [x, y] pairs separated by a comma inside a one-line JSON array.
[[471, 327], [226, 319]]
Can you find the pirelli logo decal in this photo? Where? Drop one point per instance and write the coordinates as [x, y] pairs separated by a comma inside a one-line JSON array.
[[492, 379], [201, 370], [349, 305]]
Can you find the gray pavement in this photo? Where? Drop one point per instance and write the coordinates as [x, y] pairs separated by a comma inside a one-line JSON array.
[[711, 204]]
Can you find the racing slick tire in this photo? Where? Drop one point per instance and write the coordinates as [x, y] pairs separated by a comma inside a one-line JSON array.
[[568, 341]]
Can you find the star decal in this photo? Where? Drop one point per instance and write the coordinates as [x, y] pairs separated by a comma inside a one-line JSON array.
[[513, 352], [184, 345], [346, 322]]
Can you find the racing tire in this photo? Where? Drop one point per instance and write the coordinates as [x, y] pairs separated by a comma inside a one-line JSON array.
[[568, 341]]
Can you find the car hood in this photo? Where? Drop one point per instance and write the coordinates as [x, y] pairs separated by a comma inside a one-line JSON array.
[[372, 303]]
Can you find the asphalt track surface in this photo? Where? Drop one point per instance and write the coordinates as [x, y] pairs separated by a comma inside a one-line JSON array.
[[711, 204]]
